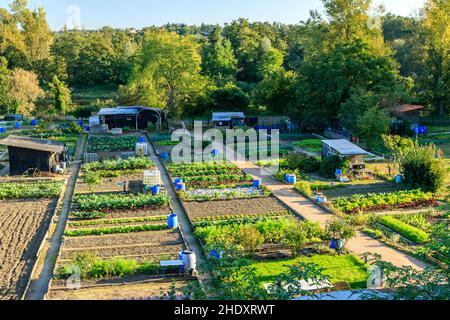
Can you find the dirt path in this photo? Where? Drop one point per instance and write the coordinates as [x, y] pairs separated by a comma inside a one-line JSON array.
[[183, 219], [44, 270], [306, 208]]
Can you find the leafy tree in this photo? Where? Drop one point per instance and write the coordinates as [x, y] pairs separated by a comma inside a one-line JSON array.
[[372, 125], [276, 93], [218, 60], [24, 91], [167, 71], [436, 78], [61, 96], [398, 145], [421, 169], [329, 80], [229, 97], [4, 84], [270, 60]]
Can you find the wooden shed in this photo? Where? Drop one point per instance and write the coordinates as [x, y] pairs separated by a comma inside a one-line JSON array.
[[133, 117], [33, 154]]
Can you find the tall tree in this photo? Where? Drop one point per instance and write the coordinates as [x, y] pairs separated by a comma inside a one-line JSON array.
[[23, 92], [218, 60], [61, 96], [167, 71], [436, 78]]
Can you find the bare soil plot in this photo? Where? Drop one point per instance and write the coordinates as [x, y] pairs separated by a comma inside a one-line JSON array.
[[164, 237], [240, 207], [110, 184], [147, 291], [23, 224]]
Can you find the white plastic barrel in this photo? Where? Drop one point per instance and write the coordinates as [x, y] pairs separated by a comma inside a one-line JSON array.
[[143, 147], [189, 260]]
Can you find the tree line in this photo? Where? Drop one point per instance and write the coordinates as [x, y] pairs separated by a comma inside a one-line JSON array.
[[337, 65]]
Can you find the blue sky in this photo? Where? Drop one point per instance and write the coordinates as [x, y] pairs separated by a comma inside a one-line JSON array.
[[139, 13]]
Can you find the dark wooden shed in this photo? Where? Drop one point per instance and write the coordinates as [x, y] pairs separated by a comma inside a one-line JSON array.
[[30, 154], [133, 117]]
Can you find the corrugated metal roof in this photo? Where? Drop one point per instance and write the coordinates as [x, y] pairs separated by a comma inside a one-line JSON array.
[[227, 116], [33, 144], [117, 111], [345, 147]]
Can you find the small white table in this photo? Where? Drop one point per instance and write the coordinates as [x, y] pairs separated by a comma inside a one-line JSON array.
[[171, 263]]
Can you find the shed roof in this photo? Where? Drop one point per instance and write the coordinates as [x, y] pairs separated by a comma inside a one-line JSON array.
[[123, 110], [227, 116], [33, 144], [345, 147], [405, 108]]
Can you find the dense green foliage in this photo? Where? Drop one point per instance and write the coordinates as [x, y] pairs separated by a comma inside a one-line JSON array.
[[33, 190], [329, 166], [421, 169]]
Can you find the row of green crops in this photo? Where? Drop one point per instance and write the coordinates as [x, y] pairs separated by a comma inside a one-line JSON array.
[[91, 267], [130, 164], [383, 201], [116, 221], [226, 195], [34, 190], [239, 219], [409, 232], [114, 230], [97, 202], [111, 143], [195, 169]]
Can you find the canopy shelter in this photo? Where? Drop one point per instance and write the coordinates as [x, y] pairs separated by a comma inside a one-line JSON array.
[[134, 117], [33, 154], [342, 147]]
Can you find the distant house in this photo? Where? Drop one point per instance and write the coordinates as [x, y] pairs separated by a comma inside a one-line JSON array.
[[30, 154], [408, 112], [346, 149], [136, 117], [228, 119]]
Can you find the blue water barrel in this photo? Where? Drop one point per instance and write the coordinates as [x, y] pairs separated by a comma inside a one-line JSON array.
[[156, 189], [2, 130], [17, 125], [291, 179], [398, 179], [215, 153], [336, 244], [338, 171], [80, 123], [177, 181], [87, 128], [165, 156], [141, 139], [172, 221], [34, 122], [416, 130], [216, 254], [180, 257], [257, 183], [181, 187]]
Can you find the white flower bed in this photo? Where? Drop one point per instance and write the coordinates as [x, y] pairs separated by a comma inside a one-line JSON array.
[[227, 193]]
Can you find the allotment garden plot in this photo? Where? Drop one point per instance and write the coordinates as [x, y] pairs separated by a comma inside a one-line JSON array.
[[232, 214], [26, 209], [115, 237]]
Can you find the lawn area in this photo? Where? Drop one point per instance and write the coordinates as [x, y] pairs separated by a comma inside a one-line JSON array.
[[346, 268], [438, 128]]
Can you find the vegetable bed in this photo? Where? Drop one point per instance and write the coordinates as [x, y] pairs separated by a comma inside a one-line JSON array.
[[32, 190], [111, 143], [94, 202], [384, 201], [409, 232]]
